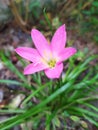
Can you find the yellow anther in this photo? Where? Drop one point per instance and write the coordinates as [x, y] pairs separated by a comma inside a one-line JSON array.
[[52, 63]]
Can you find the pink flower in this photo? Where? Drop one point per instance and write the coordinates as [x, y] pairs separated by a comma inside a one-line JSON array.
[[47, 56]]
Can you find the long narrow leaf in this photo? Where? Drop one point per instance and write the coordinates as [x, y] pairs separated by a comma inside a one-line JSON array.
[[34, 110]]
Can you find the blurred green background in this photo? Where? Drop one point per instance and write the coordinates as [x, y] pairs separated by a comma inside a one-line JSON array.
[[81, 16]]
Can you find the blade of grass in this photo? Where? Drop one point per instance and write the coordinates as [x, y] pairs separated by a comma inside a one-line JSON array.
[[10, 82], [9, 64], [91, 120], [9, 111], [35, 92], [47, 19], [86, 112], [34, 110]]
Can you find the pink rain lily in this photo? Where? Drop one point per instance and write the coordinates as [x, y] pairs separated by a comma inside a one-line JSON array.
[[47, 56]]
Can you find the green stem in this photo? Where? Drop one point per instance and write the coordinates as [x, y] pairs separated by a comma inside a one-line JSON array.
[[47, 20]]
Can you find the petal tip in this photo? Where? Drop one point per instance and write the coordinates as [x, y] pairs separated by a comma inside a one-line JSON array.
[[25, 72], [63, 27], [16, 50], [74, 50], [34, 31], [55, 77]]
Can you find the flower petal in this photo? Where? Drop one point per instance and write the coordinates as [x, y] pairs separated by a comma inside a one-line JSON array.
[[28, 53], [54, 72], [58, 40], [66, 53], [41, 43], [33, 68]]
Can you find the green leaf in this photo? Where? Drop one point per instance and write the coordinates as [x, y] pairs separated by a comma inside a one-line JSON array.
[[91, 120], [95, 3], [56, 122], [10, 82], [33, 111], [75, 118]]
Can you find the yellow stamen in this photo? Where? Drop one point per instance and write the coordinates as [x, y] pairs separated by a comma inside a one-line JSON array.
[[52, 63]]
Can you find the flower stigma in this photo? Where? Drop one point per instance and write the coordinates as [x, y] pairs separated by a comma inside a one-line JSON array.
[[52, 63]]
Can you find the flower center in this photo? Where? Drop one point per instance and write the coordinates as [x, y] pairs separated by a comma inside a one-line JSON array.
[[52, 63]]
